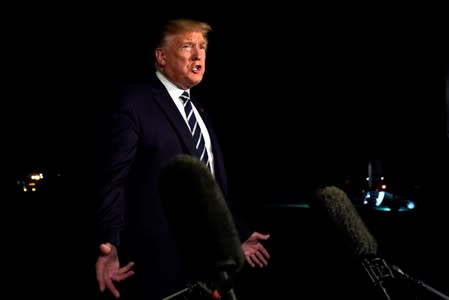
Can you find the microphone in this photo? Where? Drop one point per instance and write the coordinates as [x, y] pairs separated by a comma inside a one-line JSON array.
[[339, 210], [352, 231], [201, 222]]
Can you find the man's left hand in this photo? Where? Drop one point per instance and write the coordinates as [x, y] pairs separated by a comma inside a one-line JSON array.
[[253, 250]]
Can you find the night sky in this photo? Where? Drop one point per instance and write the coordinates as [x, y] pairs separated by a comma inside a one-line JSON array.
[[343, 86], [309, 100]]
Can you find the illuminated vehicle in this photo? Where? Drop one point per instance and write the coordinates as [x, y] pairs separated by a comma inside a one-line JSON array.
[[31, 183]]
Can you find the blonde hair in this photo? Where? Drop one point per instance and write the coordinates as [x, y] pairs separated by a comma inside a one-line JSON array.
[[182, 25]]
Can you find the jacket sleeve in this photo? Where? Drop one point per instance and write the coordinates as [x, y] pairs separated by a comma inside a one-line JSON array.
[[116, 153]]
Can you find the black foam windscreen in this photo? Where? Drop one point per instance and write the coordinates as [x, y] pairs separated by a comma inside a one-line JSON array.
[[199, 217], [336, 206]]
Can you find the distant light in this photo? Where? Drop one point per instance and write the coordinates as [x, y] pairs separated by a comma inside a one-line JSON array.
[[33, 189], [385, 201], [410, 204], [25, 189], [380, 198], [383, 208], [36, 176], [383, 186]]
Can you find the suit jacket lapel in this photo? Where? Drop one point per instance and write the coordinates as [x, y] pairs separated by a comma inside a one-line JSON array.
[[220, 174], [162, 97]]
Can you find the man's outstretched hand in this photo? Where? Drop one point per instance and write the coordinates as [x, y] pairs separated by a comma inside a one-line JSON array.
[[253, 250], [108, 269]]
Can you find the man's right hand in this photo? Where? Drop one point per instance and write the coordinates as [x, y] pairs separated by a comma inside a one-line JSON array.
[[108, 269]]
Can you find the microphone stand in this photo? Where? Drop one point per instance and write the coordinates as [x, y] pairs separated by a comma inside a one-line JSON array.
[[220, 282], [191, 289], [419, 283], [378, 271], [228, 292]]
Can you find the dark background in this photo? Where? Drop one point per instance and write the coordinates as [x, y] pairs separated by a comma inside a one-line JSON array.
[[296, 100]]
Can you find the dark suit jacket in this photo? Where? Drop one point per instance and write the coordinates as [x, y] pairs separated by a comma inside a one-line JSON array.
[[145, 130]]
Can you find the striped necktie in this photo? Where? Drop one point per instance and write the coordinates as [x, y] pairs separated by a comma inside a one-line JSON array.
[[198, 138]]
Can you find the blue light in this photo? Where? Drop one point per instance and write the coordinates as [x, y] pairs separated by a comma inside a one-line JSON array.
[[410, 204]]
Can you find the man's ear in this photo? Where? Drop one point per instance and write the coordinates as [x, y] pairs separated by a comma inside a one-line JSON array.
[[160, 56]]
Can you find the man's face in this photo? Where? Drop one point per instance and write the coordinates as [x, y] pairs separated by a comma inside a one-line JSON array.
[[182, 58]]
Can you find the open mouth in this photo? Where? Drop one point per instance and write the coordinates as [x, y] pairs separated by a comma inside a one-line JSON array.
[[196, 68]]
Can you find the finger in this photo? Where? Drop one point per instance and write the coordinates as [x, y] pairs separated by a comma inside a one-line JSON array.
[[261, 259], [249, 261], [127, 267], [122, 276], [261, 236], [264, 252], [105, 248], [256, 260], [111, 287], [264, 237], [99, 270], [123, 272]]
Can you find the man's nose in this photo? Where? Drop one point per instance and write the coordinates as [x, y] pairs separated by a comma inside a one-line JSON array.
[[196, 53]]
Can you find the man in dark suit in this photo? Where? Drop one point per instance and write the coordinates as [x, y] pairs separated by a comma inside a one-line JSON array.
[[148, 127]]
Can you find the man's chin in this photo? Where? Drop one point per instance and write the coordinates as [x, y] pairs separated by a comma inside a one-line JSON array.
[[194, 80]]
